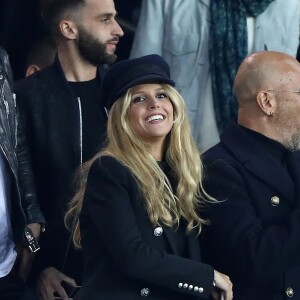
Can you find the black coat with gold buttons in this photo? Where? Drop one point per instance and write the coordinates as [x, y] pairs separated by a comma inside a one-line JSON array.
[[254, 235], [125, 256]]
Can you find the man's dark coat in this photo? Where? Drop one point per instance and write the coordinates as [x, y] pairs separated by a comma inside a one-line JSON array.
[[254, 235]]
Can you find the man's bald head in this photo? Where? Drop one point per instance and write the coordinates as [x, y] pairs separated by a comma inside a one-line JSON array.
[[266, 70], [267, 87]]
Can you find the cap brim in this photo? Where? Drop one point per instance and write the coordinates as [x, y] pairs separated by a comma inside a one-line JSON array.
[[148, 78]]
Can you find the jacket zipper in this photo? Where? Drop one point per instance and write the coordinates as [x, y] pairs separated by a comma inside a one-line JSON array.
[[16, 120], [80, 129], [74, 222]]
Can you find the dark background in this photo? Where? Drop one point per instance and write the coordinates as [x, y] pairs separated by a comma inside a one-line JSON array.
[[21, 25]]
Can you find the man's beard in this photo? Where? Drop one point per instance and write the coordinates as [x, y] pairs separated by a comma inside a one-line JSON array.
[[290, 141], [92, 50], [294, 143]]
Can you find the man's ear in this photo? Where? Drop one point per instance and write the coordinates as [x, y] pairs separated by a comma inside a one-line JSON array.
[[267, 103], [68, 29], [31, 69]]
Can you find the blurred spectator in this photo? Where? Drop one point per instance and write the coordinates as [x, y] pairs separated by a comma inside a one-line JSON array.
[[20, 25], [180, 31], [41, 55]]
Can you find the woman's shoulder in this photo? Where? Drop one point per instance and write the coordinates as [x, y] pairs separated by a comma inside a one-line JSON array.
[[107, 161], [108, 164]]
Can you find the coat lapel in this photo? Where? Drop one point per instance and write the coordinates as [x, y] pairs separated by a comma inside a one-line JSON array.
[[257, 161], [169, 236], [272, 173], [193, 247], [293, 162]]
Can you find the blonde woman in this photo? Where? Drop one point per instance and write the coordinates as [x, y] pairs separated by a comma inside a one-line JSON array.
[[139, 197]]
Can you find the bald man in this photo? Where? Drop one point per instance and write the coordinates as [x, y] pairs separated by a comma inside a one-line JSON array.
[[254, 173]]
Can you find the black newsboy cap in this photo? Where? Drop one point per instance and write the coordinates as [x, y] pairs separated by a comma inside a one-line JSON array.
[[128, 73]]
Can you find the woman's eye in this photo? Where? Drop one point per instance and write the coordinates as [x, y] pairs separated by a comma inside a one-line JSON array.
[[138, 99], [161, 96]]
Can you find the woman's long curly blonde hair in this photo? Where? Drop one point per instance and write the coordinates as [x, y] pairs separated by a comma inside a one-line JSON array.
[[181, 153]]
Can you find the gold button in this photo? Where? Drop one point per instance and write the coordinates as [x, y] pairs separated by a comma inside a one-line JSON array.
[[275, 201], [290, 292]]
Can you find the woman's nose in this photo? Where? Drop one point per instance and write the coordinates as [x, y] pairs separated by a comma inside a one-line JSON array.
[[153, 103]]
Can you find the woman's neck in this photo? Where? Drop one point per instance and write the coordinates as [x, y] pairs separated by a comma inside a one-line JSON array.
[[156, 150]]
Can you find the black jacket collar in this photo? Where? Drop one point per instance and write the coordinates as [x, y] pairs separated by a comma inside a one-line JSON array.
[[254, 157]]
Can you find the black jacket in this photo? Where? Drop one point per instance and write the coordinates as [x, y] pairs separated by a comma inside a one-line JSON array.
[[254, 233], [125, 256], [52, 120], [24, 207]]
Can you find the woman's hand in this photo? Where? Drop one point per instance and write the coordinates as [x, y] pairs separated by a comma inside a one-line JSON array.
[[223, 287]]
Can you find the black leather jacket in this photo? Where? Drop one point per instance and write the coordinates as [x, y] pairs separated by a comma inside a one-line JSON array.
[[51, 116], [24, 207]]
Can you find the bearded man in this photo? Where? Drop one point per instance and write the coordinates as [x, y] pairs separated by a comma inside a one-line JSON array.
[[255, 174], [65, 123]]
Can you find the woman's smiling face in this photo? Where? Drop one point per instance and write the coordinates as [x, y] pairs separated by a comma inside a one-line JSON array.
[[151, 112]]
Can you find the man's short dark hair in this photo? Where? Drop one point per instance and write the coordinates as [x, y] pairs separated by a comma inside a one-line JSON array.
[[54, 10], [42, 52]]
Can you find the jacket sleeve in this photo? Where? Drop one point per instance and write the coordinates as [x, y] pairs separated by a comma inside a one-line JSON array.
[[26, 180], [149, 34], [252, 248], [109, 206]]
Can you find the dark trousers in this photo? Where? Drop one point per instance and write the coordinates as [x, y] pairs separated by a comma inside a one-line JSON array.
[[11, 287]]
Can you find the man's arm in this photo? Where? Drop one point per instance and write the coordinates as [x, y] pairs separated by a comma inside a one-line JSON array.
[[34, 217]]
